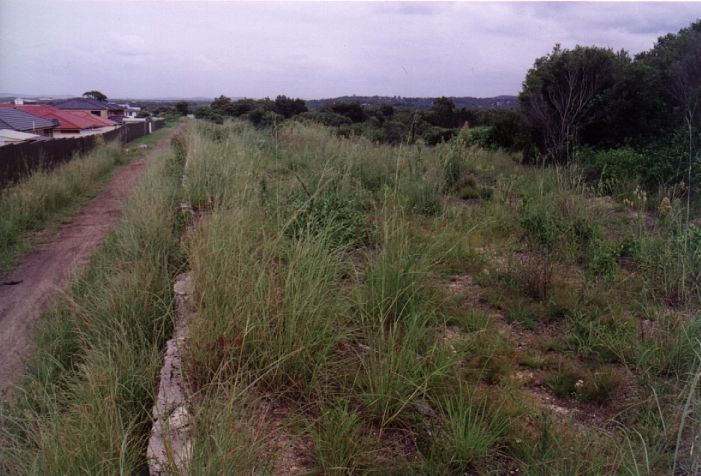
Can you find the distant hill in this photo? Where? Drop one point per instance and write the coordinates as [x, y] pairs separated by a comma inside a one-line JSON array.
[[498, 102]]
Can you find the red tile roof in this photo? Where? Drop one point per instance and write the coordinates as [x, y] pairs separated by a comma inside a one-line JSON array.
[[66, 120], [100, 121]]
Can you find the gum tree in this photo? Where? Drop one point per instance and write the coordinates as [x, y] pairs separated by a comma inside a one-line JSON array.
[[558, 92]]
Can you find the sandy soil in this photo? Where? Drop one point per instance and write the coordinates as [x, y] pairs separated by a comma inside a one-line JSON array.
[[27, 291]]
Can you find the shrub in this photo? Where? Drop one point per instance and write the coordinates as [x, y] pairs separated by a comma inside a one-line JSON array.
[[330, 119], [613, 166], [436, 135], [541, 225], [601, 259], [479, 136]]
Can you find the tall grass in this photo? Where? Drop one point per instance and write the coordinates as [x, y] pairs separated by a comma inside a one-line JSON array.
[[84, 406], [359, 302], [39, 199]]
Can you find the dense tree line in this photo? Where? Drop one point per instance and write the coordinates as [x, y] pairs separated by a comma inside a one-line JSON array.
[[498, 102], [261, 112], [596, 105], [583, 102], [381, 123]]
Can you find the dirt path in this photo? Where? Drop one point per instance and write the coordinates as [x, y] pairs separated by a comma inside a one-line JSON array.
[[27, 291]]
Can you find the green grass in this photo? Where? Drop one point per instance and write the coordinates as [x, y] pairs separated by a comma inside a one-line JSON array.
[[351, 303], [345, 330], [150, 140], [47, 197], [84, 406], [471, 430]]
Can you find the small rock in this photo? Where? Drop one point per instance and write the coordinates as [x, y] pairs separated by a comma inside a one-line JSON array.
[[183, 285], [423, 407]]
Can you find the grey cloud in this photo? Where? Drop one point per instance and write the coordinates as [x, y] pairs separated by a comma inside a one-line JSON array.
[[161, 48]]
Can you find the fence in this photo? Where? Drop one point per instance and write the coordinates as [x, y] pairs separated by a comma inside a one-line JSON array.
[[157, 124], [19, 160]]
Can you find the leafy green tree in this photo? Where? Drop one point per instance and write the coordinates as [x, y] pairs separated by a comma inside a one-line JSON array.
[[387, 110], [289, 107], [558, 93], [183, 108], [443, 113], [95, 94], [352, 110]]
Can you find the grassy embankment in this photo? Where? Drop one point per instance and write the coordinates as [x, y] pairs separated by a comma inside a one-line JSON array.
[[85, 406], [364, 308], [48, 197]]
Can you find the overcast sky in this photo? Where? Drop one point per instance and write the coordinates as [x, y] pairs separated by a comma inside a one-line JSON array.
[[310, 50]]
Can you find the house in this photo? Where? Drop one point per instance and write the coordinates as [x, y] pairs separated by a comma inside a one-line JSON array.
[[93, 106], [9, 136], [96, 121], [130, 111], [70, 123], [17, 120]]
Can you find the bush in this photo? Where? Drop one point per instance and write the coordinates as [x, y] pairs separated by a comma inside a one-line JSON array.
[[542, 226], [259, 117], [479, 136], [601, 259], [614, 166], [330, 119], [436, 135]]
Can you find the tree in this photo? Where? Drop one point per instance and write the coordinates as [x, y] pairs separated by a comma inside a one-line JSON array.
[[289, 107], [221, 105], [558, 92], [352, 110], [182, 107], [443, 112], [95, 94], [386, 110]]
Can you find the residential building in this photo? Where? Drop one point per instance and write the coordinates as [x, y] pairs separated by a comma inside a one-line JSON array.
[[93, 106], [130, 111], [16, 120], [9, 136], [69, 123]]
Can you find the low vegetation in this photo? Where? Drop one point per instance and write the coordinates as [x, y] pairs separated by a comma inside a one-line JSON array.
[[47, 196], [358, 311], [443, 304], [367, 308], [84, 407]]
